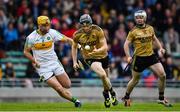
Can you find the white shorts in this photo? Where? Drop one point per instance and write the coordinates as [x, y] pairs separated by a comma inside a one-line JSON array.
[[49, 69]]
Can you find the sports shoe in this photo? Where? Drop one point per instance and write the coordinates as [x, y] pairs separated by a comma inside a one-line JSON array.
[[164, 102], [127, 102], [107, 103], [114, 101], [77, 104]]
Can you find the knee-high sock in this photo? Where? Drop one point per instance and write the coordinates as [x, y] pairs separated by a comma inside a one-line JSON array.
[[106, 83], [161, 86], [112, 92]]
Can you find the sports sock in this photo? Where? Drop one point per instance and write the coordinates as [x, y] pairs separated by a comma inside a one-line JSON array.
[[74, 99], [106, 94], [161, 95], [127, 96], [112, 92]]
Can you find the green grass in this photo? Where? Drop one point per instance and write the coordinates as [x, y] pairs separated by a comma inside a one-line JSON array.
[[85, 107]]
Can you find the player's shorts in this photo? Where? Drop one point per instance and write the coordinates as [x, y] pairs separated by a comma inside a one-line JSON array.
[[104, 62], [49, 69], [140, 63]]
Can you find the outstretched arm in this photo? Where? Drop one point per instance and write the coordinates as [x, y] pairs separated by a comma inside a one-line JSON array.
[[67, 39], [57, 36]]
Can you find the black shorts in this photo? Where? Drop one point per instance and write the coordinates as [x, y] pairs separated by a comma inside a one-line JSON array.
[[104, 62], [140, 63]]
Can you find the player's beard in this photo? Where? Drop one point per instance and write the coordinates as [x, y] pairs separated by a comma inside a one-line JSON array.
[[88, 29], [44, 31], [140, 25]]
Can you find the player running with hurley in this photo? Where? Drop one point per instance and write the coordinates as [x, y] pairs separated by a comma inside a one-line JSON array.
[[44, 59], [142, 37], [93, 44]]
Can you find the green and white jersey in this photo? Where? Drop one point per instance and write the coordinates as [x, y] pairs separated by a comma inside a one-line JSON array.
[[43, 45]]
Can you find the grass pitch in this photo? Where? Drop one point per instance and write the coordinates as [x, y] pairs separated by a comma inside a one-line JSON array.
[[55, 107]]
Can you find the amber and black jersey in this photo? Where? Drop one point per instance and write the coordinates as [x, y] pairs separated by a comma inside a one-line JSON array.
[[142, 40], [92, 39]]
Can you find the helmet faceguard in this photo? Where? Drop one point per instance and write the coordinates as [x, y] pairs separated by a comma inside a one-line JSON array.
[[43, 24], [86, 22], [85, 19], [138, 15]]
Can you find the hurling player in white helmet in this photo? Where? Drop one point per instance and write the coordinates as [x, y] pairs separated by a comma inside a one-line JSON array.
[[142, 37], [44, 59], [140, 17]]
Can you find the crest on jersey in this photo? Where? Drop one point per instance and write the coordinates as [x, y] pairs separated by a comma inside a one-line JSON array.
[[48, 38]]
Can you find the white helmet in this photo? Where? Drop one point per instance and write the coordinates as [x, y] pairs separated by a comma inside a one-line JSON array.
[[140, 13]]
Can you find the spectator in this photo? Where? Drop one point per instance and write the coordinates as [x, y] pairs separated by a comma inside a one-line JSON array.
[[121, 19], [30, 74], [121, 34], [29, 26], [11, 8], [10, 74], [170, 67], [23, 18], [3, 19], [66, 30], [22, 8], [2, 46], [11, 37], [158, 16], [9, 71], [171, 39], [35, 8], [67, 65]]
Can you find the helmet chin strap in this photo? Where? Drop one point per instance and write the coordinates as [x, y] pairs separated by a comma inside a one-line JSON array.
[[141, 25]]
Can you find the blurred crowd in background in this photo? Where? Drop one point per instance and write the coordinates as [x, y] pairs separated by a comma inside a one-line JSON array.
[[115, 17]]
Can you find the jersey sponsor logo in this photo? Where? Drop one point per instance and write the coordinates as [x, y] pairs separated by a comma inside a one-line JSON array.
[[144, 38], [88, 40], [43, 45]]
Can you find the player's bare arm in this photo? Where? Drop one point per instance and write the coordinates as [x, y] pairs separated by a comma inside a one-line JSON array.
[[126, 50], [28, 54], [68, 40], [74, 55], [102, 46], [157, 42]]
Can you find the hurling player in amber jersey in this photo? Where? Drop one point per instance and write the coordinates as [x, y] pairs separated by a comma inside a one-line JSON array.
[[44, 58], [94, 51], [142, 37]]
